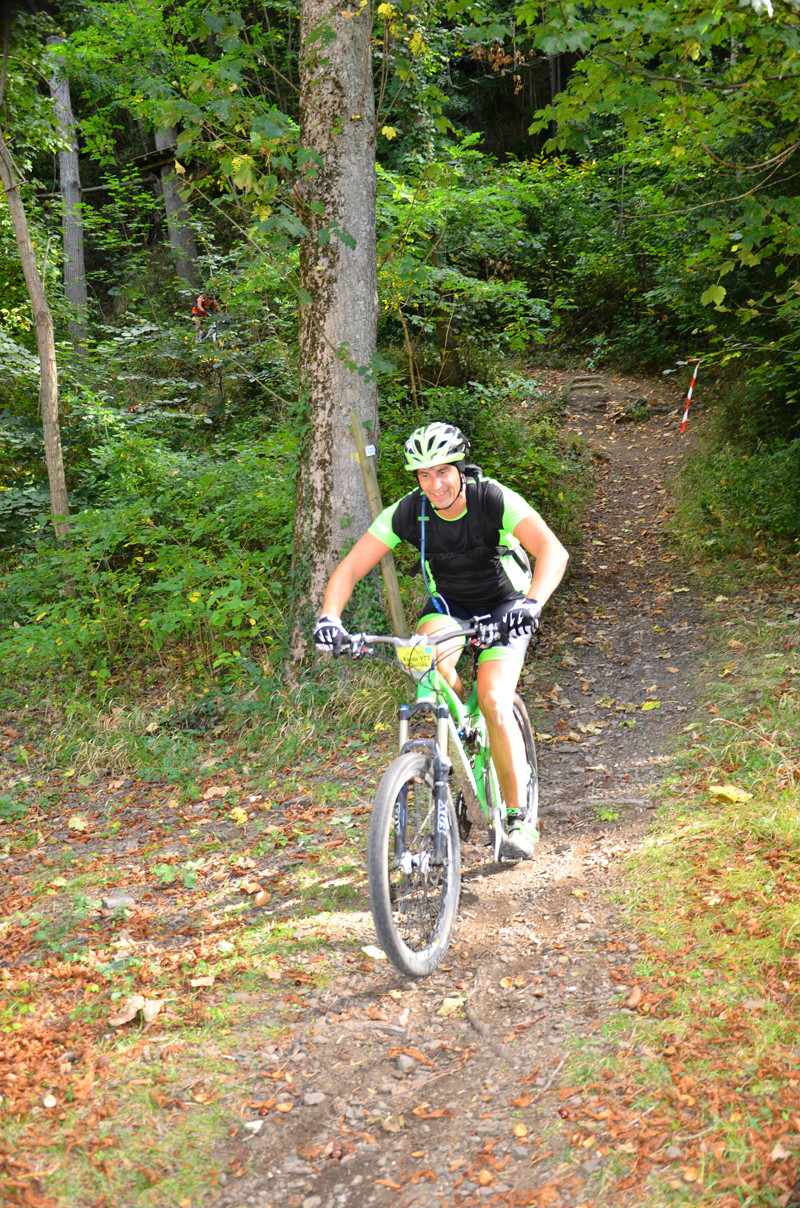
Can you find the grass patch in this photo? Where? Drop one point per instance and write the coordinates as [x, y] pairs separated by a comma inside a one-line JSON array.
[[695, 1096]]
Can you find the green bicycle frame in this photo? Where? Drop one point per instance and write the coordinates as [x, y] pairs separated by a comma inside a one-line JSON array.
[[457, 721]]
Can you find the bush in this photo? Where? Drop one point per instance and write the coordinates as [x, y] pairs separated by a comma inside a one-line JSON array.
[[731, 500], [178, 551]]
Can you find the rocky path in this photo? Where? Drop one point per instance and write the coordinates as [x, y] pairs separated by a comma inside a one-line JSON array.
[[453, 1091]]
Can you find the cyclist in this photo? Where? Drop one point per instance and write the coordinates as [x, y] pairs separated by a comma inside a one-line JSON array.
[[205, 305], [472, 534]]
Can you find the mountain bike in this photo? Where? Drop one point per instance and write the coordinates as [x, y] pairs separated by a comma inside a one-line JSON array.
[[428, 798]]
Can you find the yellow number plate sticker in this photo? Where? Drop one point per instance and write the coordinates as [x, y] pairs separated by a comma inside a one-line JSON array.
[[415, 658]]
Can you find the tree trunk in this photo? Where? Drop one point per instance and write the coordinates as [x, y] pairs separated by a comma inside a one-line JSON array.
[[338, 321], [48, 389], [181, 238], [72, 217]]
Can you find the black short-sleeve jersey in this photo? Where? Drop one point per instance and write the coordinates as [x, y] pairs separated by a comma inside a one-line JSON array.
[[474, 560]]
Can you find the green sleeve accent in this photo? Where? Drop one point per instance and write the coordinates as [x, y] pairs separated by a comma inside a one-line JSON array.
[[381, 527], [515, 508]]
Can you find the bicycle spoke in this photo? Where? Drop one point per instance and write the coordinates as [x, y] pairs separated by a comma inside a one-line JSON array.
[[415, 884], [414, 900]]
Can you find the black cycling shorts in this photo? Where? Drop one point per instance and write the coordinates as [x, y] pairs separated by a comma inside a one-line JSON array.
[[517, 645]]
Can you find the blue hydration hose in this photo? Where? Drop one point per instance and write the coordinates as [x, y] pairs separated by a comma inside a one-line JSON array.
[[434, 595]]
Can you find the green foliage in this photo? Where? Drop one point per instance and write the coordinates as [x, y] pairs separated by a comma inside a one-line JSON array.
[[734, 501], [176, 551], [706, 94], [453, 245]]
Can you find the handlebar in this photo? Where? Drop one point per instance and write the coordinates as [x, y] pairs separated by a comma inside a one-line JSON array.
[[479, 632]]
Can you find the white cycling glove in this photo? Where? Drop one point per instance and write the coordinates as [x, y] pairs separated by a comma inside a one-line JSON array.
[[330, 634], [522, 618]]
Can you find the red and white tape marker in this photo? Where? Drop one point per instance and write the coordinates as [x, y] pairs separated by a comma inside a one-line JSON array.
[[689, 395]]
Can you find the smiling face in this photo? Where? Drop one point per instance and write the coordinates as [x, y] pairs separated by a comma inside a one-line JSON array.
[[441, 486]]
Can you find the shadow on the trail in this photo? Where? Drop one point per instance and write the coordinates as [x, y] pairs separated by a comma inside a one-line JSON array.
[[483, 871]]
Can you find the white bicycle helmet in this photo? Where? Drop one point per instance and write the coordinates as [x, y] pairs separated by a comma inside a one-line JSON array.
[[435, 445]]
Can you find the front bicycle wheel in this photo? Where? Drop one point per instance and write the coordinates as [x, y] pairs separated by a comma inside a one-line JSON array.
[[414, 901]]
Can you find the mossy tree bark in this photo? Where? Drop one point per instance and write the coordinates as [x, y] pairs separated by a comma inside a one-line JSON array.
[[339, 298]]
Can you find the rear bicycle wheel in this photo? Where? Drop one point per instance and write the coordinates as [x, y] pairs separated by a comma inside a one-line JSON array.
[[414, 902], [532, 787], [498, 833]]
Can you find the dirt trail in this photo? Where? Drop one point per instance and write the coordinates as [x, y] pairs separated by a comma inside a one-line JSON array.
[[403, 1104]]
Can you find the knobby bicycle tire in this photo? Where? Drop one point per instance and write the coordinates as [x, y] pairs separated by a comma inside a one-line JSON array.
[[414, 902], [532, 792], [523, 721]]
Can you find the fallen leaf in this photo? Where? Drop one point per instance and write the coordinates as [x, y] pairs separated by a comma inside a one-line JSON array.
[[151, 1008], [415, 1053], [651, 704], [238, 815], [168, 1104], [130, 1008], [393, 1124], [216, 790], [377, 954], [419, 1175], [522, 1101], [450, 1006], [730, 792], [779, 1152], [423, 1113], [78, 823], [309, 1152], [207, 980], [283, 1107], [635, 997], [388, 1183]]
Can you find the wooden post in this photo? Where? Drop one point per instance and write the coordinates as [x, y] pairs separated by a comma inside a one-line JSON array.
[[375, 506]]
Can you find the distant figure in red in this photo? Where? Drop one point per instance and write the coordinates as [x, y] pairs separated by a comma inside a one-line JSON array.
[[205, 305]]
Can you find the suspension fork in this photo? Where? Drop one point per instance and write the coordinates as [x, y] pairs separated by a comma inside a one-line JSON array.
[[441, 774], [402, 796], [441, 769]]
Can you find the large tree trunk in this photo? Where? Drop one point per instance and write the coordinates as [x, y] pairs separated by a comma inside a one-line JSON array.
[[338, 323], [48, 390], [72, 218], [181, 238]]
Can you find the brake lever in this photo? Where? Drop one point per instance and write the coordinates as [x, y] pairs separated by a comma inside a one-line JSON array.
[[485, 633], [358, 646]]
